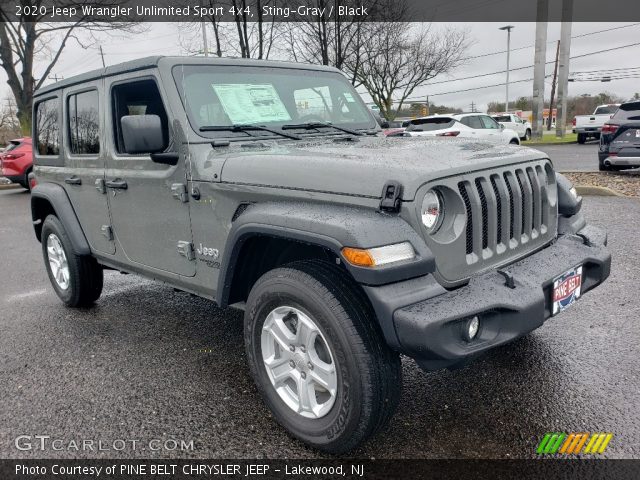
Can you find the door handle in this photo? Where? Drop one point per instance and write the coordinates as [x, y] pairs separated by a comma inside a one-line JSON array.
[[73, 180], [117, 183]]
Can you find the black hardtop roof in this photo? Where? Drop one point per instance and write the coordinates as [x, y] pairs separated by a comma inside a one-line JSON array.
[[154, 62]]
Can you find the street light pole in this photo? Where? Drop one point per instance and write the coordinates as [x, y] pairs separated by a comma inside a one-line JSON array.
[[508, 28]]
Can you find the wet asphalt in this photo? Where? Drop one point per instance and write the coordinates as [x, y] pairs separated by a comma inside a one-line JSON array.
[[573, 157], [160, 367]]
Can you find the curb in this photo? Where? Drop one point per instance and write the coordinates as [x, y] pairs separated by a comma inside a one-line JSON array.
[[10, 186], [598, 191]]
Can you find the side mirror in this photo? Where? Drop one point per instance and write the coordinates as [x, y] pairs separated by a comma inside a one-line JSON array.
[[142, 134], [501, 126]]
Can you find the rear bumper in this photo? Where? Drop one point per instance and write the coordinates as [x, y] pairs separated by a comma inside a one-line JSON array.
[[588, 130], [624, 161], [16, 178], [431, 330]]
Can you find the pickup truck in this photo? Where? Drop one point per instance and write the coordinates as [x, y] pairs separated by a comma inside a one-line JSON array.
[[591, 125]]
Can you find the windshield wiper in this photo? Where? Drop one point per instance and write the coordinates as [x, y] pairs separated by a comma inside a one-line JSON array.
[[244, 128], [310, 125]]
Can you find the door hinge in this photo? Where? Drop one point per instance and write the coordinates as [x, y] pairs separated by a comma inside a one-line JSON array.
[[107, 232], [179, 192], [186, 250], [100, 186], [391, 194]]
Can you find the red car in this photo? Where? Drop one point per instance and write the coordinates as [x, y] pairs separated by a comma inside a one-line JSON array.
[[17, 160]]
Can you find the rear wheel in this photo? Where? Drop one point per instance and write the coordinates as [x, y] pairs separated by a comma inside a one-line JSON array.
[[317, 356], [527, 135], [582, 138], [76, 279], [514, 141]]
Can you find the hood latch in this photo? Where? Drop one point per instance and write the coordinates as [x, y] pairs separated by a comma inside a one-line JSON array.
[[391, 194]]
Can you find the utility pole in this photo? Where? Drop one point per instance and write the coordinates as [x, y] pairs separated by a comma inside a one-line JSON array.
[[102, 55], [563, 75], [205, 46], [473, 106], [508, 28], [428, 106], [542, 15], [553, 87]]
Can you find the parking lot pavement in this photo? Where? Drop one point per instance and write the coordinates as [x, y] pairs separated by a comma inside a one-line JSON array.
[[573, 157], [147, 363]]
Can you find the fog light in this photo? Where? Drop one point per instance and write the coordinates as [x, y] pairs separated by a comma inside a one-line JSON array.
[[471, 328]]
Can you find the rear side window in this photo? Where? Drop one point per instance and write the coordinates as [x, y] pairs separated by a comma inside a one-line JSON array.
[[606, 109], [472, 121], [430, 124], [84, 125], [12, 144], [137, 98], [503, 118], [628, 111], [48, 127]]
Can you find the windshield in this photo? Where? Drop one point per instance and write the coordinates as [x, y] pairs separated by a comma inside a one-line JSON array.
[[606, 109], [219, 96]]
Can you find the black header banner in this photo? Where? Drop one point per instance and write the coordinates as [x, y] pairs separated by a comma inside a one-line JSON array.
[[199, 469], [314, 10]]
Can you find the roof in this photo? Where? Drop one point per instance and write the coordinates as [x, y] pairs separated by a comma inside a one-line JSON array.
[[155, 61]]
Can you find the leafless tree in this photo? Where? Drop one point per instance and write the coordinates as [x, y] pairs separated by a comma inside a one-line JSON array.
[[246, 36], [9, 125], [30, 39], [401, 56], [337, 41]]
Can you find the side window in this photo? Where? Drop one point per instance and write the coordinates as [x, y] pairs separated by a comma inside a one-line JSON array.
[[137, 98], [472, 121], [84, 124], [48, 127], [489, 123]]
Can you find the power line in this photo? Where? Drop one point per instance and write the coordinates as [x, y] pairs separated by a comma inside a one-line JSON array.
[[528, 66], [552, 41]]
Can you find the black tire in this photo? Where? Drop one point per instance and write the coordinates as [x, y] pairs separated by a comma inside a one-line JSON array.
[[527, 135], [603, 168], [85, 274], [582, 138], [369, 373], [514, 141], [26, 180]]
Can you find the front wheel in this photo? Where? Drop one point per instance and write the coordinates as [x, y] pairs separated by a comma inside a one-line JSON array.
[[317, 356], [527, 135], [76, 279]]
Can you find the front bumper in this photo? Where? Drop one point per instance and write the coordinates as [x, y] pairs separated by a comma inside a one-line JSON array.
[[431, 331]]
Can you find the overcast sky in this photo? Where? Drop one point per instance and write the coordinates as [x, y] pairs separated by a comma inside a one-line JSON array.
[[163, 39]]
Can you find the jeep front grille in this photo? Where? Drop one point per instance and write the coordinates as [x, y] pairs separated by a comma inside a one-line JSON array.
[[505, 210]]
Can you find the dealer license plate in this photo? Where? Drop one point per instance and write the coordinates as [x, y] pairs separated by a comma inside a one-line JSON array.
[[566, 289]]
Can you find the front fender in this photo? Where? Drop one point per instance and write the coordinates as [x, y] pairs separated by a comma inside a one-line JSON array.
[[332, 227], [54, 195]]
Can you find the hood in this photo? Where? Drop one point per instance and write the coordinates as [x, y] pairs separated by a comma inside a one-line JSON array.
[[363, 166]]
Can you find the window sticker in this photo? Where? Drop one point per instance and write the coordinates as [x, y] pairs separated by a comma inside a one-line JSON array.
[[247, 103]]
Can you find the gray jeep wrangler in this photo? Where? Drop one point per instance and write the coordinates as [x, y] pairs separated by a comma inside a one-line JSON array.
[[267, 186]]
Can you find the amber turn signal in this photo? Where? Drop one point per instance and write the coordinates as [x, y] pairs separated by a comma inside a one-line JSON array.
[[358, 256]]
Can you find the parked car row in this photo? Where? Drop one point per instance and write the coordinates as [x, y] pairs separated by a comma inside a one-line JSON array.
[[16, 161]]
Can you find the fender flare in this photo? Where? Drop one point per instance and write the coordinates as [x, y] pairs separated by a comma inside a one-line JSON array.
[[329, 226], [55, 195]]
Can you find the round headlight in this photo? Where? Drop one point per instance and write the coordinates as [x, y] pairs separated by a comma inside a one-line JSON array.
[[432, 211]]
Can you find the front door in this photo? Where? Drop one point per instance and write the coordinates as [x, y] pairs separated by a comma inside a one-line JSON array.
[[83, 119], [150, 215]]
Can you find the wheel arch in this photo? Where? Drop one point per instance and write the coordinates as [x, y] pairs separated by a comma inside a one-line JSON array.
[[51, 199], [276, 233]]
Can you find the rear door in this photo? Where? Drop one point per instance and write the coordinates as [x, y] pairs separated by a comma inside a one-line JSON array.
[[85, 158], [490, 128], [147, 200]]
